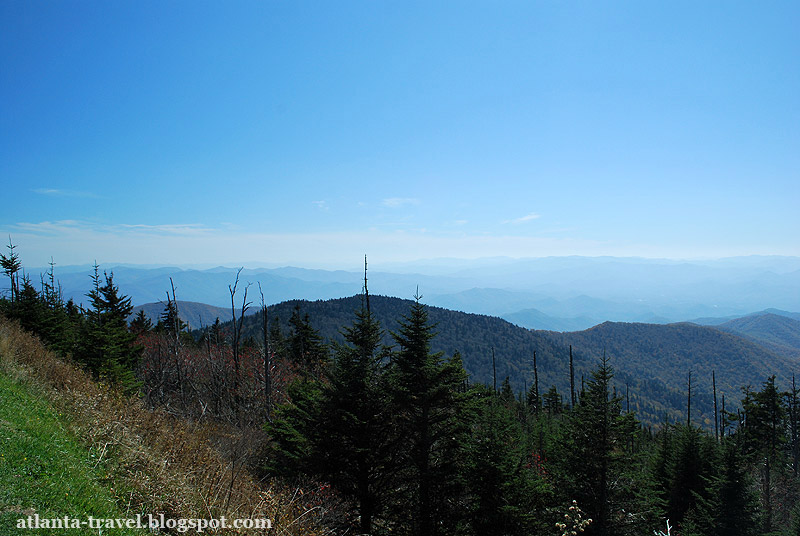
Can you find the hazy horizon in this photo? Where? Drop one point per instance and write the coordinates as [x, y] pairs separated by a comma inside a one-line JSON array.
[[423, 264]]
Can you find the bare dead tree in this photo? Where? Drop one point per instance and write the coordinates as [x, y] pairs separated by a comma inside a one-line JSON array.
[[571, 378], [689, 402], [494, 373], [716, 415], [536, 385], [366, 292], [267, 355], [237, 333], [175, 342]]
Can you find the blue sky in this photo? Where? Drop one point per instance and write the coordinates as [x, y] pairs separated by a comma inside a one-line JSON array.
[[312, 133]]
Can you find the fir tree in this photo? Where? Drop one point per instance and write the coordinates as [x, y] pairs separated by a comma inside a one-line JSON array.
[[691, 470], [11, 267], [108, 347], [305, 344], [354, 448], [141, 323], [763, 437], [593, 452], [506, 492], [735, 505], [429, 410]]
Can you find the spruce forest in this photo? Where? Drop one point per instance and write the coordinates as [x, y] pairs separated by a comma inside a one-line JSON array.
[[383, 435]]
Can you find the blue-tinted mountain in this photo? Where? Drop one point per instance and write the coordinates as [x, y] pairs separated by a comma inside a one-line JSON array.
[[194, 314]]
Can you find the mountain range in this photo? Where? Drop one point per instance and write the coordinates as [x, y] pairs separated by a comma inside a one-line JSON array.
[[553, 293], [657, 320]]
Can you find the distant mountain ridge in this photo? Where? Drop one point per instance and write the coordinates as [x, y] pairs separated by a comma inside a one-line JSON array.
[[558, 293], [779, 333], [195, 315]]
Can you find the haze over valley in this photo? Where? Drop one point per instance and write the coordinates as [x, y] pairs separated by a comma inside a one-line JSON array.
[[554, 293]]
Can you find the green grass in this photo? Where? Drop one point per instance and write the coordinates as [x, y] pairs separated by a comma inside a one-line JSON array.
[[44, 469]]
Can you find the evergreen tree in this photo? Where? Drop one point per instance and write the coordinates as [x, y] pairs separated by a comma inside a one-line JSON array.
[[428, 406], [691, 472], [593, 454], [11, 267], [276, 339], [552, 401], [306, 347], [294, 432], [28, 308], [354, 447], [506, 492], [57, 328], [506, 394], [140, 323], [170, 321], [735, 505], [660, 470], [763, 437], [108, 347]]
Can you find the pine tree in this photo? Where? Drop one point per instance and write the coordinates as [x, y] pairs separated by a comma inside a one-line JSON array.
[[429, 414], [354, 448], [141, 323], [593, 450], [305, 344], [763, 436], [11, 267], [691, 471], [506, 493], [108, 347]]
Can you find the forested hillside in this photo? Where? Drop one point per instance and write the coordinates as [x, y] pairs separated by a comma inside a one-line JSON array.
[[652, 361], [655, 362], [779, 333]]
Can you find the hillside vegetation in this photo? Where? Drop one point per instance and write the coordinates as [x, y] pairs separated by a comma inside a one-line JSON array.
[[128, 459], [652, 360], [44, 468], [779, 333]]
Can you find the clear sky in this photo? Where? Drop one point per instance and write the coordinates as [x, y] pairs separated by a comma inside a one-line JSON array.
[[312, 133]]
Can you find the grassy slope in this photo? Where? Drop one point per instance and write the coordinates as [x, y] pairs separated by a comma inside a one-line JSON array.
[[43, 468], [55, 417]]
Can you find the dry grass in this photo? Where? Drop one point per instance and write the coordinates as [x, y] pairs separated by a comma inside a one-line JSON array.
[[157, 462]]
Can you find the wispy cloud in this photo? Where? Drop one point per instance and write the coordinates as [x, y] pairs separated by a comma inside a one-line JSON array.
[[67, 227], [395, 202], [322, 205], [55, 192], [523, 219], [183, 229]]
